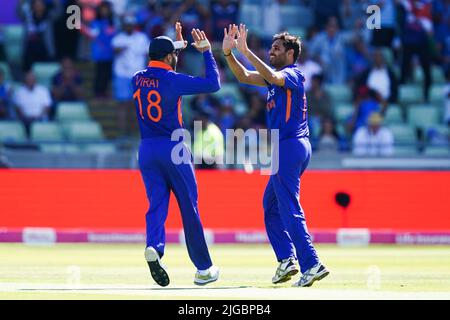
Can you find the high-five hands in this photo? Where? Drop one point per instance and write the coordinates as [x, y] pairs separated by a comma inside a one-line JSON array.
[[235, 37], [179, 36], [229, 41], [200, 43]]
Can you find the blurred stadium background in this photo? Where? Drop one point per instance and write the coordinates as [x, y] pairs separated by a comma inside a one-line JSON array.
[[379, 115]]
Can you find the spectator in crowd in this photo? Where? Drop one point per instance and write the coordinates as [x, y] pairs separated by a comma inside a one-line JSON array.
[[151, 19], [204, 104], [257, 112], [208, 143], [88, 9], [358, 58], [447, 99], [379, 77], [32, 101], [350, 11], [373, 139], [5, 97], [130, 48], [102, 31], [2, 45], [227, 116], [441, 24], [329, 139], [416, 33], [38, 18], [367, 102], [324, 10], [67, 83], [384, 36], [309, 67], [223, 13], [271, 23], [319, 101], [329, 48], [191, 14], [66, 40]]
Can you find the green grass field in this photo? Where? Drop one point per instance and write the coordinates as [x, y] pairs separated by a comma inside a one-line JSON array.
[[94, 271]]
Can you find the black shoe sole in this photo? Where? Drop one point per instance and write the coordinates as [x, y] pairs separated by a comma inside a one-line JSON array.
[[158, 274], [287, 277]]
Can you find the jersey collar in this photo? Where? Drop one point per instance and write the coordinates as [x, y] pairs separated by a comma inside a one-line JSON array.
[[159, 64]]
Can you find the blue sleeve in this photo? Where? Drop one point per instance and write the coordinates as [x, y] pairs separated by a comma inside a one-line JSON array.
[[292, 79], [187, 85]]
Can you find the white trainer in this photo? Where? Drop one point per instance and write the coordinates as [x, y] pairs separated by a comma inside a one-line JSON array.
[[157, 269], [316, 273], [203, 277], [286, 269]]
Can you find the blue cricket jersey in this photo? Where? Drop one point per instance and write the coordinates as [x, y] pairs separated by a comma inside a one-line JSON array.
[[287, 107], [157, 95]]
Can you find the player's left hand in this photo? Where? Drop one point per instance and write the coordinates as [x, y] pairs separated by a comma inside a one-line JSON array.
[[201, 43], [178, 30], [241, 40]]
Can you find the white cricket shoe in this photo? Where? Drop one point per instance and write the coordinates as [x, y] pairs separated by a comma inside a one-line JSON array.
[[157, 269], [203, 277], [285, 271], [316, 273]]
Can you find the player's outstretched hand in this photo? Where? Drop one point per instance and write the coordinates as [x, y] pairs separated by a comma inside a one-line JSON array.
[[241, 40], [229, 38], [200, 43], [178, 30]]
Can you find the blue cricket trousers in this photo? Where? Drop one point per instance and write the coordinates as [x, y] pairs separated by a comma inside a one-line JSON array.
[[283, 216], [161, 176]]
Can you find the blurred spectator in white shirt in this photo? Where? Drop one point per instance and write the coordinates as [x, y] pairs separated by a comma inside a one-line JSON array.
[[309, 67], [373, 139], [32, 101], [131, 55], [329, 48]]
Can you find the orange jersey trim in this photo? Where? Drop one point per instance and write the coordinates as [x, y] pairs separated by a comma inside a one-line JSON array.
[[159, 64], [180, 115], [288, 104]]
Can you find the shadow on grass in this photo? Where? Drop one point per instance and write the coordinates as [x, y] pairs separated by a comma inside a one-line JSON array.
[[134, 289]]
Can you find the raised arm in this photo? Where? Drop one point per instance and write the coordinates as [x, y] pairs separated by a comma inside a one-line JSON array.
[[211, 82], [240, 72], [266, 72]]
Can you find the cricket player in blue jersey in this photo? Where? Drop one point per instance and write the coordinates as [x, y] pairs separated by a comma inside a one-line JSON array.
[[286, 105], [157, 95]]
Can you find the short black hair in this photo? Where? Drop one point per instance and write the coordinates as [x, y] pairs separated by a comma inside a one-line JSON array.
[[289, 42]]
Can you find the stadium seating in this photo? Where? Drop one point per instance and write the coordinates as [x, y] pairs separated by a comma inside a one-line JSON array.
[[410, 93], [229, 89], [437, 75], [14, 42], [85, 131], [6, 70], [437, 94], [393, 114], [99, 148], [403, 134], [343, 111], [405, 150], [59, 148], [12, 131], [46, 132], [45, 71], [339, 92], [72, 111], [437, 151], [422, 116]]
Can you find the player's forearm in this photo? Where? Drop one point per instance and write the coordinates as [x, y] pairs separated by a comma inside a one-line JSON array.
[[263, 69], [211, 72], [236, 67]]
